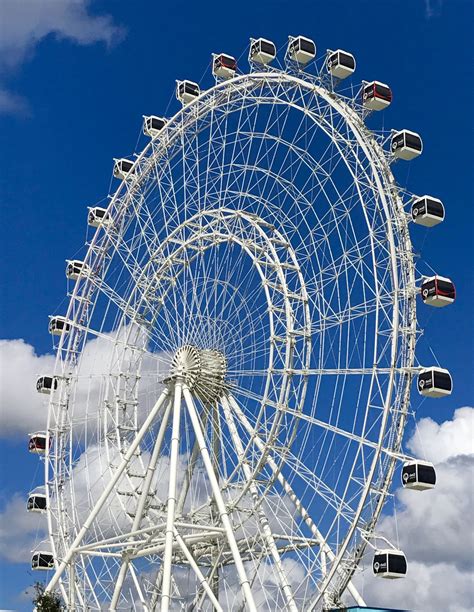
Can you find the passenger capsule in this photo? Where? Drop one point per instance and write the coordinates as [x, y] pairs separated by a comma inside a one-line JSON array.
[[262, 51], [224, 66], [153, 125], [124, 168], [37, 443], [427, 211], [434, 382], [45, 384], [37, 502], [389, 563], [98, 216], [59, 326], [187, 91], [438, 291], [406, 145], [376, 96], [418, 475], [75, 268], [42, 560], [301, 50], [340, 64]]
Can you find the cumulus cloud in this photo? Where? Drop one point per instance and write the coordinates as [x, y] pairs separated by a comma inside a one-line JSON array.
[[24, 24], [434, 528], [437, 443], [20, 531], [22, 409]]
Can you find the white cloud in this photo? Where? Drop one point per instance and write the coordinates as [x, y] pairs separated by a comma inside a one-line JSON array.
[[22, 408], [434, 528], [436, 443], [24, 24], [20, 531]]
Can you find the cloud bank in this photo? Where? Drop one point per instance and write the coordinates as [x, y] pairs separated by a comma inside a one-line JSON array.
[[434, 528], [25, 23]]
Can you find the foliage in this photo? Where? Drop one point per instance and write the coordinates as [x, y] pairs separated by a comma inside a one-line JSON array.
[[46, 602]]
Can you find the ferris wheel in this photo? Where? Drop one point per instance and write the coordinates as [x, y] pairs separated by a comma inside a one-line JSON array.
[[235, 365]]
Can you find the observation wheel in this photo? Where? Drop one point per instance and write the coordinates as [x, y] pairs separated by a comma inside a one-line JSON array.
[[235, 365]]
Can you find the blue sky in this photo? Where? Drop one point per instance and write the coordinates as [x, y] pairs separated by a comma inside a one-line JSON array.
[[74, 86]]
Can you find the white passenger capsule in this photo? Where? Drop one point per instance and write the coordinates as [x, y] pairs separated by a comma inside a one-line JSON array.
[[224, 66], [301, 50], [37, 443], [261, 51], [98, 216], [37, 502], [45, 384], [124, 168], [434, 382], [42, 560], [418, 475], [340, 63], [76, 267], [376, 96], [389, 563], [58, 326], [438, 291], [153, 125], [427, 211], [187, 91], [406, 145]]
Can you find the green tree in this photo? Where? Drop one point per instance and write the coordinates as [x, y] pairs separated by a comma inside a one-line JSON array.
[[46, 602]]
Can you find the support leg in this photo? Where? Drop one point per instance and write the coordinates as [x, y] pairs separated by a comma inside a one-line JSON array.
[[107, 491], [171, 505], [224, 516]]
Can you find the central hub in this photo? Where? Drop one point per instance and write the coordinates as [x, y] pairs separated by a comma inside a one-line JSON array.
[[203, 370]]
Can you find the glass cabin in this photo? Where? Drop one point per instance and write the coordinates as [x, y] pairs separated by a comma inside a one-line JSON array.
[[389, 563], [406, 145], [123, 168], [262, 51], [427, 211], [153, 125], [45, 384], [418, 475], [37, 502], [340, 64], [376, 96], [59, 326], [187, 91], [301, 50], [42, 560], [224, 66], [438, 291], [434, 382], [98, 216], [37, 443], [75, 268]]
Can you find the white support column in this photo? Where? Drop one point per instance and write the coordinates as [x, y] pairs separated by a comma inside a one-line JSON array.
[[107, 491], [292, 495], [171, 504], [203, 582], [224, 516], [267, 532], [141, 502]]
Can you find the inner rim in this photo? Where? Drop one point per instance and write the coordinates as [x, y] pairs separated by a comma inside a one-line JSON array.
[[203, 370]]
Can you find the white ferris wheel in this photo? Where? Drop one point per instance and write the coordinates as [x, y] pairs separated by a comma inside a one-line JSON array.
[[235, 365]]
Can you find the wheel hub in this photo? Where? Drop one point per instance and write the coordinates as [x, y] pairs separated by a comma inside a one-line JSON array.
[[203, 370]]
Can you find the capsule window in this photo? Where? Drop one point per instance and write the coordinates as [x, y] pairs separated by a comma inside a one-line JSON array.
[[36, 503], [45, 384], [262, 51], [98, 216], [427, 211]]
